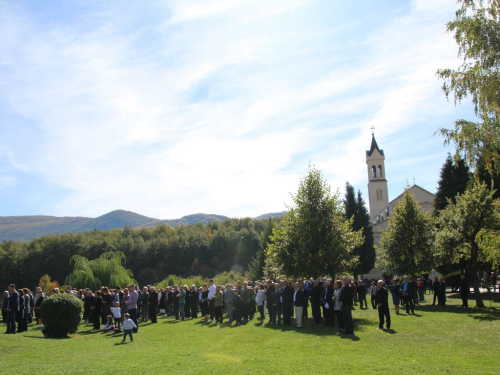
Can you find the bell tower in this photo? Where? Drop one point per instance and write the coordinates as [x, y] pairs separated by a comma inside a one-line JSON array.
[[377, 183]]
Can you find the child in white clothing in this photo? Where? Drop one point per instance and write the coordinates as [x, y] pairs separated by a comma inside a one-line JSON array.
[[117, 314], [128, 327]]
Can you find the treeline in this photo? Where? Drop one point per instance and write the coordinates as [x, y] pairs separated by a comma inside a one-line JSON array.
[[150, 253]]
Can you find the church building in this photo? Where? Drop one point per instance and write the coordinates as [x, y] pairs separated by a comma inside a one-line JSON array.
[[378, 195]]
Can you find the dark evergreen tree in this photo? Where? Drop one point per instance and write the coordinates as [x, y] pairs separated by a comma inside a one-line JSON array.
[[487, 174], [355, 208], [454, 179]]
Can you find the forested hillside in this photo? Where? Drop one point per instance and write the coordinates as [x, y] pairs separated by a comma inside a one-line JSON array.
[[151, 253], [26, 228]]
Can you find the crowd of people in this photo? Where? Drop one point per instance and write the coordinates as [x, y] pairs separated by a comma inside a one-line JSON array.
[[331, 302]]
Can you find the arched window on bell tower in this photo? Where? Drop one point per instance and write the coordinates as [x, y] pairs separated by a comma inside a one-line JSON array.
[[374, 172], [379, 172]]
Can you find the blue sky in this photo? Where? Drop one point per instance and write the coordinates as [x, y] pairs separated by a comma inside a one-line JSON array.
[[168, 108]]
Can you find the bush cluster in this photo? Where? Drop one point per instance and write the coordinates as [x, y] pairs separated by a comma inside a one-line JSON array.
[[61, 315]]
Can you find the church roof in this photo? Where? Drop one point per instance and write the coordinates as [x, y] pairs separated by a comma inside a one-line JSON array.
[[374, 147]]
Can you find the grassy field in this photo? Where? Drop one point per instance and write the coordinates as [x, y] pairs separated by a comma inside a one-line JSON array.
[[436, 340]]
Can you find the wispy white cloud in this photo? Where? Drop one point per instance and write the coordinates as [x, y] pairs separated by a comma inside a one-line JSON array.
[[216, 107]]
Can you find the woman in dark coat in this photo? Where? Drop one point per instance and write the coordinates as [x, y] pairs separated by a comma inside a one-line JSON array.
[[95, 310], [107, 302], [163, 301], [38, 303], [204, 302], [153, 304]]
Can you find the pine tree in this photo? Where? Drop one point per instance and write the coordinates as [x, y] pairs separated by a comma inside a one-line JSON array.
[[355, 208], [454, 179]]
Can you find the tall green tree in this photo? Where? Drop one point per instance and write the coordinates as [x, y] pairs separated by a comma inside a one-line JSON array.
[[256, 265], [454, 179], [407, 244], [476, 28], [355, 208], [314, 238], [468, 230]]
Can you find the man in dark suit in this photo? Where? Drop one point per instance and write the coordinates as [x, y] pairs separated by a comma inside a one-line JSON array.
[[382, 301], [298, 302], [4, 306], [326, 302], [464, 291], [277, 304], [12, 309], [269, 298], [287, 301], [316, 302], [153, 304], [346, 302], [408, 290], [435, 290]]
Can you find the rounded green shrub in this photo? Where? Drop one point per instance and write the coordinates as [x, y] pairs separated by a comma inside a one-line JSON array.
[[61, 314]]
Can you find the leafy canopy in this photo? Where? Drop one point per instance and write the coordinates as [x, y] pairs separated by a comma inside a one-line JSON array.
[[477, 32], [314, 238], [469, 230], [407, 244]]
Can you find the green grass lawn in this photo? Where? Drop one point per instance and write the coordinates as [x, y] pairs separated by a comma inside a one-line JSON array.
[[436, 340]]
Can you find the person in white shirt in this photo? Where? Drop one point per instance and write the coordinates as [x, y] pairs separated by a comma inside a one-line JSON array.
[[128, 328], [117, 315], [211, 292]]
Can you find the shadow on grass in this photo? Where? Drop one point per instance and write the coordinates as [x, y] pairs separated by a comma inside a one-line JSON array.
[[89, 332], [485, 314], [360, 325]]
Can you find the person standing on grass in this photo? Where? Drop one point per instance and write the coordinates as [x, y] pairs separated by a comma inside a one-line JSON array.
[[326, 302], [117, 315], [237, 306], [128, 328], [218, 300], [316, 302], [396, 295], [153, 304], [260, 299], [420, 290], [435, 290], [269, 298], [382, 301], [194, 301], [362, 295], [181, 297], [373, 292], [464, 291], [408, 290], [38, 303], [298, 302], [12, 308], [337, 308], [132, 304], [4, 305], [95, 310], [228, 299], [442, 292], [144, 298], [346, 302]]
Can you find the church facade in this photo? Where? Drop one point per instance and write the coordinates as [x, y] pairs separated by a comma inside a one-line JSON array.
[[378, 196]]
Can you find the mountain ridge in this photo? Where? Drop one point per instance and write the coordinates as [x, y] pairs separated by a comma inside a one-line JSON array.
[[26, 228]]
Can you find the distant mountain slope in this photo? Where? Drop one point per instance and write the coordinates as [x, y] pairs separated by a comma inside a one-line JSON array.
[[272, 214], [114, 220], [186, 220], [25, 228]]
